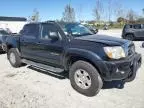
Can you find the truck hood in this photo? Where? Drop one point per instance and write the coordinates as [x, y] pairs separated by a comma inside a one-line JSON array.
[[107, 40]]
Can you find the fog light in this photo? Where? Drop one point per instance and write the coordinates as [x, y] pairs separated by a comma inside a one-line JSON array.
[[118, 71], [122, 72]]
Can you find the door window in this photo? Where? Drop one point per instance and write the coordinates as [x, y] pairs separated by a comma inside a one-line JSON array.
[[49, 30], [142, 26], [138, 26]]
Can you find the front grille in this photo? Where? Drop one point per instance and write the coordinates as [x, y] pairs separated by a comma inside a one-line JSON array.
[[131, 50]]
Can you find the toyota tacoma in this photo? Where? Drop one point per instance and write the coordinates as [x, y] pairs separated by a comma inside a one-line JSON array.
[[71, 47]]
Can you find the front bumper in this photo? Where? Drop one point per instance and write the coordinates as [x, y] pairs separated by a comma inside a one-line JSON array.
[[121, 69]]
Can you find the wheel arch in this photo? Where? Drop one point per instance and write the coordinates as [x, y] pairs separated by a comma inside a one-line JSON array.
[[10, 46], [130, 34], [72, 57]]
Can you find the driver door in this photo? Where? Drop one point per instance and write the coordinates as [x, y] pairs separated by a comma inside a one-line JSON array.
[[50, 51]]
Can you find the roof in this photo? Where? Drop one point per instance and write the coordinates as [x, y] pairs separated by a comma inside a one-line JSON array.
[[3, 18]]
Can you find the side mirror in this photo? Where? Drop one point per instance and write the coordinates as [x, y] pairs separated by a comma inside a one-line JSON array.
[[53, 36], [68, 35], [21, 32]]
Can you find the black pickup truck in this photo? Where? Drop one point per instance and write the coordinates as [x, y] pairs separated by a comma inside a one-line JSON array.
[[3, 36], [90, 59]]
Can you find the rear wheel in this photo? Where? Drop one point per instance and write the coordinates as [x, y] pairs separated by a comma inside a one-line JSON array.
[[85, 78], [14, 58], [129, 37]]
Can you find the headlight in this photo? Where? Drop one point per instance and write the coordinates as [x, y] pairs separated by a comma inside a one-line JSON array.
[[115, 52]]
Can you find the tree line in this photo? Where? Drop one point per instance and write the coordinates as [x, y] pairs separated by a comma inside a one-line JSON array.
[[100, 13]]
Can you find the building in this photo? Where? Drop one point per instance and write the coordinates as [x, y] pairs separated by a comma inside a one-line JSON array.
[[12, 24]]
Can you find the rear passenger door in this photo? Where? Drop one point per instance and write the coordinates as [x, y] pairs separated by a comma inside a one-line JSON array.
[[50, 51], [28, 41], [142, 32]]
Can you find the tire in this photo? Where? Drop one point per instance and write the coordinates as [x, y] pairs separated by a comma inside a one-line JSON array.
[[14, 58], [129, 37], [143, 44], [4, 47], [92, 75]]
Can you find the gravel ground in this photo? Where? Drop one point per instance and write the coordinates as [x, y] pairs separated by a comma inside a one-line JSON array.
[[27, 87]]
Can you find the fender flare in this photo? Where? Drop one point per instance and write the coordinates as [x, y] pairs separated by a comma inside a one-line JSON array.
[[11, 42], [89, 55]]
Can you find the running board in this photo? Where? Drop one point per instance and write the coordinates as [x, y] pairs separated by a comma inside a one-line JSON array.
[[42, 66]]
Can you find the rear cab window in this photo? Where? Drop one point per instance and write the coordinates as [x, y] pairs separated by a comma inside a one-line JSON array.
[[31, 30]]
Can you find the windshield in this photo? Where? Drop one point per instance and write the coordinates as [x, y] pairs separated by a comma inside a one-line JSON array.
[[77, 30]]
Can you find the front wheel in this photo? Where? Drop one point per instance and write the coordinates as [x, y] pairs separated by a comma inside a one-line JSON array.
[[14, 58], [85, 78]]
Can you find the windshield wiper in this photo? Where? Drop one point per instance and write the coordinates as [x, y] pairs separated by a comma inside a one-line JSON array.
[[87, 34]]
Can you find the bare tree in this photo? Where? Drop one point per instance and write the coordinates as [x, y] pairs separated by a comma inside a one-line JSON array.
[[119, 10], [35, 16], [109, 9], [68, 14], [98, 10], [79, 13], [113, 8], [131, 15]]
